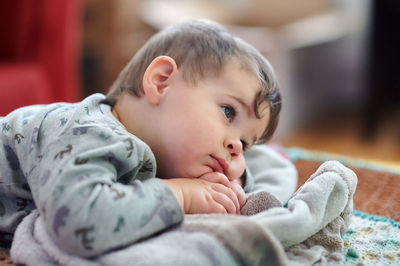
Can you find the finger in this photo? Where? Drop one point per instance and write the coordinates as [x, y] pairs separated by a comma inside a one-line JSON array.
[[216, 177], [218, 208], [241, 195], [230, 194], [210, 205], [225, 201], [242, 199]]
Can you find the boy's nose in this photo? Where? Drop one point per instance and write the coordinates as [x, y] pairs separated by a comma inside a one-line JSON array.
[[234, 146]]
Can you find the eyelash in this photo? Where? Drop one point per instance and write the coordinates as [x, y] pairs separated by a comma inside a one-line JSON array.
[[232, 112]]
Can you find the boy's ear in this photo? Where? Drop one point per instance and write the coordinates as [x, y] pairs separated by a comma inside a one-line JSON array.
[[159, 74]]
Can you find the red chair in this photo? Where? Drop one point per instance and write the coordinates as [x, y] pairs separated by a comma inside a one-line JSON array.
[[40, 44]]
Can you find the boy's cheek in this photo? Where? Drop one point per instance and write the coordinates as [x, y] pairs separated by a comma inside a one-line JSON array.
[[236, 168]]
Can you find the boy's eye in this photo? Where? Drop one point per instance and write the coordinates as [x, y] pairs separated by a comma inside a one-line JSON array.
[[229, 112]]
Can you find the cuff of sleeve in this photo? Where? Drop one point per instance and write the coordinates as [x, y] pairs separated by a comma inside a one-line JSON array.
[[173, 210]]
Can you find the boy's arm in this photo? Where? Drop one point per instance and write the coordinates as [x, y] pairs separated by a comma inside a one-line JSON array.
[[269, 171], [98, 192]]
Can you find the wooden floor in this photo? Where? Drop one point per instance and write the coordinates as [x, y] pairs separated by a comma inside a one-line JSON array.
[[344, 136]]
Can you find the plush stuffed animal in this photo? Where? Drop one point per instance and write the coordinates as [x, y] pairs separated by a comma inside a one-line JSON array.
[[259, 202]]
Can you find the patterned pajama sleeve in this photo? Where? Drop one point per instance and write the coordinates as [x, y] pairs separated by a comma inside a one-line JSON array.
[[94, 183]]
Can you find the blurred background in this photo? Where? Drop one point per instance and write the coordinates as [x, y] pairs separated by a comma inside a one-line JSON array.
[[337, 60]]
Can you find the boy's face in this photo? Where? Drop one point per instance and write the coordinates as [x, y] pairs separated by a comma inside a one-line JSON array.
[[206, 127]]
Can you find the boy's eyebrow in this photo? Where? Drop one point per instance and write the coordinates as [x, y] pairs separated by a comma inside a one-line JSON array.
[[244, 104]]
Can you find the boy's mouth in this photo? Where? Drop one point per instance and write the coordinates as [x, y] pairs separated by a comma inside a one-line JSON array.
[[220, 165]]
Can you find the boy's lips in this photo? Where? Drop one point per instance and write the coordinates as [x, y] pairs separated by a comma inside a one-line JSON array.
[[219, 165]]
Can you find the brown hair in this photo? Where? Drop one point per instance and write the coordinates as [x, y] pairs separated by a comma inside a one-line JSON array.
[[201, 48]]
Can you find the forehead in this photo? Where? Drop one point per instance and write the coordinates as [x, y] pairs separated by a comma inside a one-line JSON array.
[[239, 73]]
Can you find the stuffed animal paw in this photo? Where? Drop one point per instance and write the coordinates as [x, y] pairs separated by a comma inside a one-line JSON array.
[[259, 202]]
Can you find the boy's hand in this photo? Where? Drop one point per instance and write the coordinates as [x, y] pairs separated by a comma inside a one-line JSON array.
[[201, 196], [237, 187], [235, 184]]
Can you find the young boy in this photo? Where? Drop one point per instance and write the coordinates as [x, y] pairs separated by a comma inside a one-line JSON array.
[[167, 140]]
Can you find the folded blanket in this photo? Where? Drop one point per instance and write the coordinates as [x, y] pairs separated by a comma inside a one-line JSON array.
[[304, 233]]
